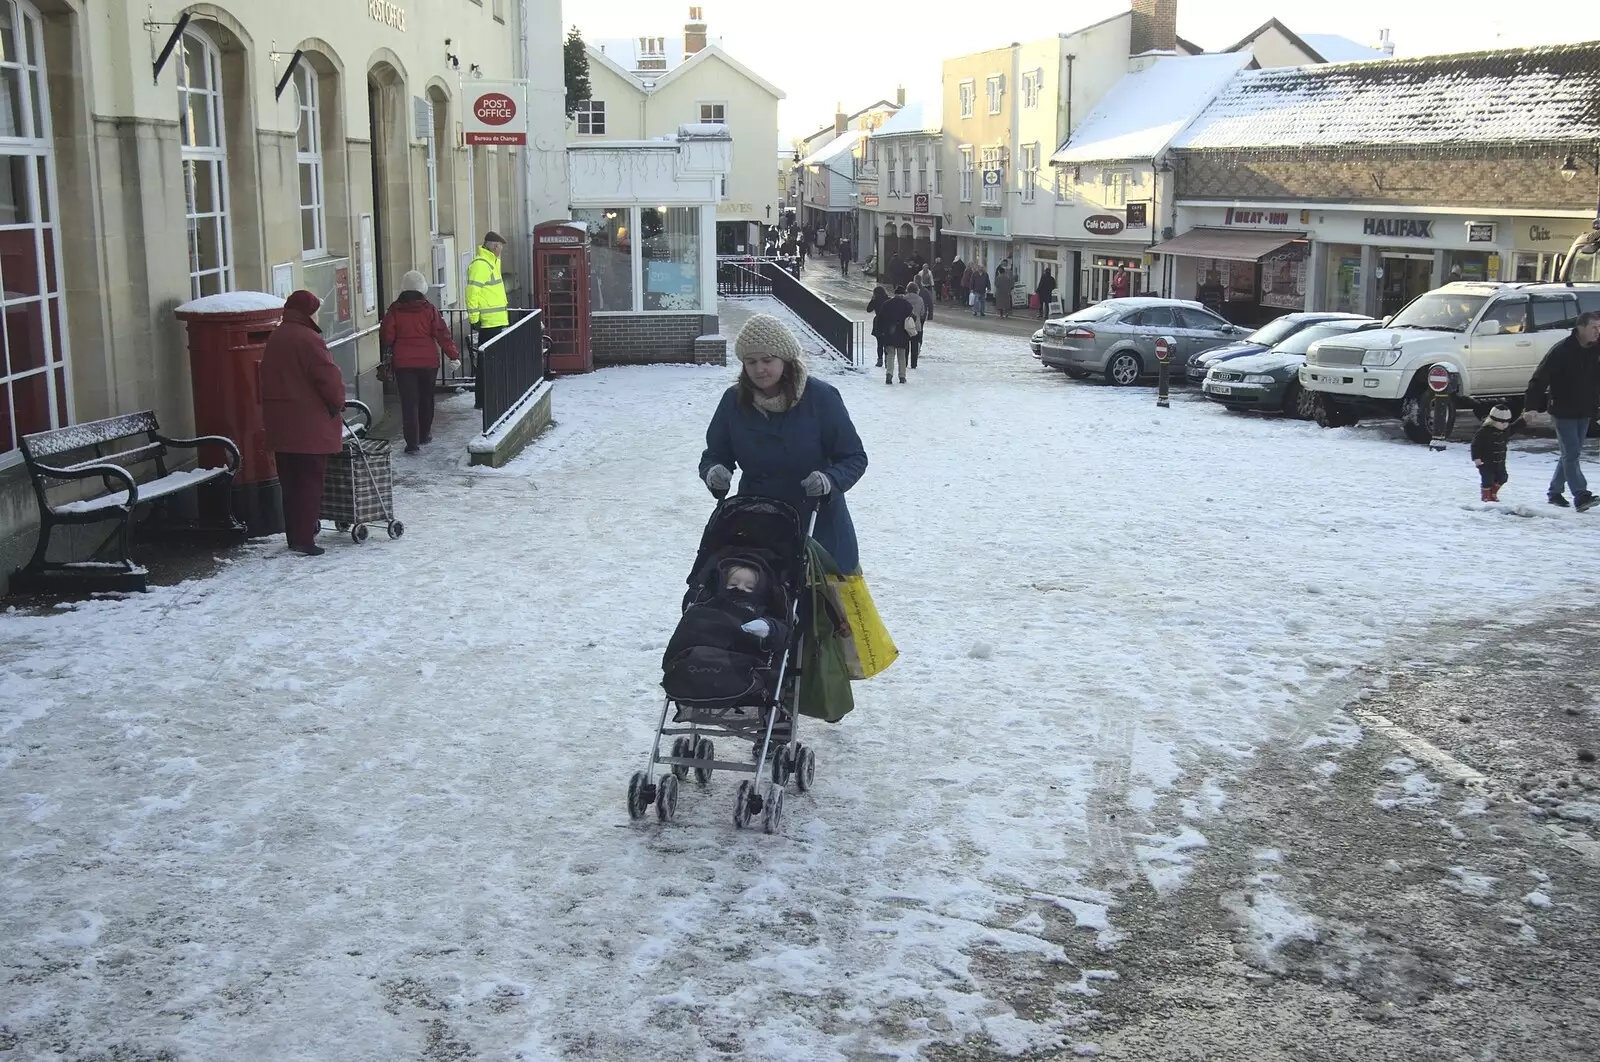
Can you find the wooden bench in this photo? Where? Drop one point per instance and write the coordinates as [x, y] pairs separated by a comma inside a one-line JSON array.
[[99, 450]]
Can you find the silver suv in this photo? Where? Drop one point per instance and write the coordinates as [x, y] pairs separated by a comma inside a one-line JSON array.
[[1117, 338]]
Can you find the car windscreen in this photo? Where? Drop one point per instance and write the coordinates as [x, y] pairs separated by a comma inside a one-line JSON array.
[[1301, 341], [1440, 312], [1275, 332]]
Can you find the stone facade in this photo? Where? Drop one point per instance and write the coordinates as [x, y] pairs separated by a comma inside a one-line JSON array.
[[653, 339]]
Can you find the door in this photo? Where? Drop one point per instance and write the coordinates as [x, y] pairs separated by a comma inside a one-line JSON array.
[[1150, 324], [1200, 331], [1493, 360], [1405, 276]]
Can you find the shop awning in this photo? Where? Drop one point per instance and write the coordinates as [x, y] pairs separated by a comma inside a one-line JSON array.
[[1231, 244]]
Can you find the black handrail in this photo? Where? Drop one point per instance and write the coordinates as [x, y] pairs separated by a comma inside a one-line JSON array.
[[511, 364], [837, 330]]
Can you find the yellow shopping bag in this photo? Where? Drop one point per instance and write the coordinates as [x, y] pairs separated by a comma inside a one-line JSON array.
[[869, 648]]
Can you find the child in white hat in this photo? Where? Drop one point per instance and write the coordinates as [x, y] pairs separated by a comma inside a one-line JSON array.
[[1489, 451]]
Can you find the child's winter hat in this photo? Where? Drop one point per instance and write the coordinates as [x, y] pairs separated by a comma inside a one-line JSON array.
[[765, 335], [1500, 415]]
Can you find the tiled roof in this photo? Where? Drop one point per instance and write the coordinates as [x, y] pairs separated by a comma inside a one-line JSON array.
[[1521, 95]]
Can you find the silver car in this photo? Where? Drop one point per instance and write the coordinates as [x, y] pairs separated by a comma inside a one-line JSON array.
[[1117, 338]]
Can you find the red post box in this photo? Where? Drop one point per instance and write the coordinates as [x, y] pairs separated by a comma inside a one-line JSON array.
[[227, 335], [561, 271]]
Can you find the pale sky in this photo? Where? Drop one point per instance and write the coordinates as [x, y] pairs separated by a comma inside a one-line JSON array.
[[823, 52]]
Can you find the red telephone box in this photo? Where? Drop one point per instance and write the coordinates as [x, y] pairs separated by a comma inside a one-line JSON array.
[[561, 269]]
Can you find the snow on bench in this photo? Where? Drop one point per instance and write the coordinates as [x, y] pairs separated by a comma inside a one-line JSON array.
[[156, 488]]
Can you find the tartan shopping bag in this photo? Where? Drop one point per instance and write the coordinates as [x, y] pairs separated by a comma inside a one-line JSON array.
[[359, 486]]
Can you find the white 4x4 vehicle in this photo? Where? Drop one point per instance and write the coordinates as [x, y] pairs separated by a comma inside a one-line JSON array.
[[1490, 336]]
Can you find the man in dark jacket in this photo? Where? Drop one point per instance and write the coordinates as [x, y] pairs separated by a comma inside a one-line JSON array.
[[890, 327], [1567, 386], [1046, 291], [302, 395]]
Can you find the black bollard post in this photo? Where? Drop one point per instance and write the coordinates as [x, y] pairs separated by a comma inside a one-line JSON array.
[[1440, 402], [1164, 348]]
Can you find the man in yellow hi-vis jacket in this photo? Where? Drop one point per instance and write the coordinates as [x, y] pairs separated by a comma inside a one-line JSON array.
[[486, 301]]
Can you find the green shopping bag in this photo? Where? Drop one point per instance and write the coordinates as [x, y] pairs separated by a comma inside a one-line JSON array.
[[825, 670]]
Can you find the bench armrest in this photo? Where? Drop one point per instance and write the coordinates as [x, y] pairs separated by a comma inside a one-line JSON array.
[[218, 440], [105, 469]]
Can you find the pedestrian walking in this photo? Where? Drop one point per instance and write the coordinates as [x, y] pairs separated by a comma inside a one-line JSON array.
[[895, 325], [941, 280], [1045, 291], [897, 270], [1489, 451], [957, 281], [919, 310], [844, 255], [412, 335], [1005, 282], [302, 396], [927, 304], [880, 295], [978, 284], [790, 435], [924, 279], [1121, 283], [1567, 386], [487, 309]]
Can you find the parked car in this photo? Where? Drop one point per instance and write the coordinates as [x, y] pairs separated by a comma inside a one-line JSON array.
[[1262, 339], [1270, 381], [1038, 339], [1488, 336], [1117, 337]]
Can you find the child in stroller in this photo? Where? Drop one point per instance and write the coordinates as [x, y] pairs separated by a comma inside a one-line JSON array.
[[721, 654]]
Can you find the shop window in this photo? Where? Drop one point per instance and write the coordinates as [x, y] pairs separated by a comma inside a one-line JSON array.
[[610, 258], [308, 159], [591, 115], [670, 249], [1343, 270], [205, 166], [33, 370], [431, 172], [1466, 265]]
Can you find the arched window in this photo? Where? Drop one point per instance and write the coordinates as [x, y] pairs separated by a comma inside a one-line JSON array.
[[308, 156], [205, 166], [33, 378]]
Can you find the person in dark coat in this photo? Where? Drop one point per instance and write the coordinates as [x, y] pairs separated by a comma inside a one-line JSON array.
[[1005, 282], [1046, 291], [302, 395], [956, 280], [844, 255], [789, 434], [978, 284], [890, 327], [880, 295], [1567, 386], [897, 272], [414, 333], [941, 276], [1489, 451]]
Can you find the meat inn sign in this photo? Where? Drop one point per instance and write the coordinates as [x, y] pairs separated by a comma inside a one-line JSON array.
[[1406, 228]]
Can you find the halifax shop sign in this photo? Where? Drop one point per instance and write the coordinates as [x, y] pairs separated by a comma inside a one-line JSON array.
[[1405, 228]]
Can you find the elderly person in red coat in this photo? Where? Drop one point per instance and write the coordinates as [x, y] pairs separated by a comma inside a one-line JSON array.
[[302, 395], [413, 333]]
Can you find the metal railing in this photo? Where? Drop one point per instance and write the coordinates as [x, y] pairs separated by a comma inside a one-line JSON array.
[[510, 365], [744, 274], [837, 330], [343, 351]]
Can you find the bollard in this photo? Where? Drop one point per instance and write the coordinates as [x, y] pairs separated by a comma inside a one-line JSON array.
[[1164, 348], [1439, 405]]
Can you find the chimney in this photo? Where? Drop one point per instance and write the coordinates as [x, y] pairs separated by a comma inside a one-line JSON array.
[[694, 32], [841, 120], [1155, 26], [1385, 43], [900, 96]]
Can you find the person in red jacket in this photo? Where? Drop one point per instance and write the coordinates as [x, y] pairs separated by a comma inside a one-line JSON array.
[[414, 332], [302, 395]]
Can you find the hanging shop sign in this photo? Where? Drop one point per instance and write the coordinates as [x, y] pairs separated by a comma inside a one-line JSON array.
[[991, 178], [498, 114], [869, 198], [1480, 232], [1103, 224], [1138, 215], [919, 203], [1404, 228]]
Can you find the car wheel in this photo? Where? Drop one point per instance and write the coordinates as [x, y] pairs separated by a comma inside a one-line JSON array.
[[1298, 402], [1330, 414], [1123, 370], [1076, 374], [1414, 418]]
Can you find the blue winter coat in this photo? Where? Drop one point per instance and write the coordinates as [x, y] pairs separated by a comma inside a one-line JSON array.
[[777, 451]]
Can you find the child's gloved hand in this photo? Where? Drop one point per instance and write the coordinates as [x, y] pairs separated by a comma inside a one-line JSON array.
[[758, 627]]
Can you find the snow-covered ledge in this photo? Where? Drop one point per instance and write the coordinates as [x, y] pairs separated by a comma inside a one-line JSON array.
[[510, 435]]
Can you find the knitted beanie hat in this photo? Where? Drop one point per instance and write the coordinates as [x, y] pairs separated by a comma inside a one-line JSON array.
[[764, 334], [304, 301], [414, 281], [1500, 414]]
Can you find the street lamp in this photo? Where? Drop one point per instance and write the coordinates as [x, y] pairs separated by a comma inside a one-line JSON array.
[[1569, 168]]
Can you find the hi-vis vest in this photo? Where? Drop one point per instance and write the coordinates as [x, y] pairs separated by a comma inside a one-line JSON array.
[[486, 292]]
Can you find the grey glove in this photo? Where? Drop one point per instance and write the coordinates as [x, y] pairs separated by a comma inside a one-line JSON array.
[[817, 484], [719, 479]]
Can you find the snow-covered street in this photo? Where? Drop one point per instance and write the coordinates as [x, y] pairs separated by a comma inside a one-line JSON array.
[[370, 806]]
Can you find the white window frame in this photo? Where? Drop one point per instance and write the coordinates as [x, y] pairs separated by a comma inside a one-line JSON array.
[[214, 157], [922, 171], [968, 92], [585, 113], [967, 170], [1117, 184], [705, 104], [891, 171], [994, 86], [938, 176], [993, 159], [1029, 170], [1032, 83], [905, 170], [308, 112], [1061, 184], [35, 148]]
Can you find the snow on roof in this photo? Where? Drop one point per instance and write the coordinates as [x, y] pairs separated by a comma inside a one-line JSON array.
[[1337, 49], [1523, 94], [625, 51], [835, 149], [232, 302], [1141, 114], [918, 116]]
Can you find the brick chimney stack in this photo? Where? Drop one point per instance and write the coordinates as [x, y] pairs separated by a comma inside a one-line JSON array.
[[1155, 26], [900, 96], [694, 32], [841, 120]]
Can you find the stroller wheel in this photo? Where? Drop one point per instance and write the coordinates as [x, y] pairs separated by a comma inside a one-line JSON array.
[[805, 768], [704, 750], [772, 814], [359, 533], [396, 529], [641, 794], [782, 764], [681, 747], [667, 797], [745, 803]]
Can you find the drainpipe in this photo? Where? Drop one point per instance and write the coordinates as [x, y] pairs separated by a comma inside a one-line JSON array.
[[1068, 133]]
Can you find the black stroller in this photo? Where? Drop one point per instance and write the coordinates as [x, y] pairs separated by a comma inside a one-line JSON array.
[[750, 696]]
